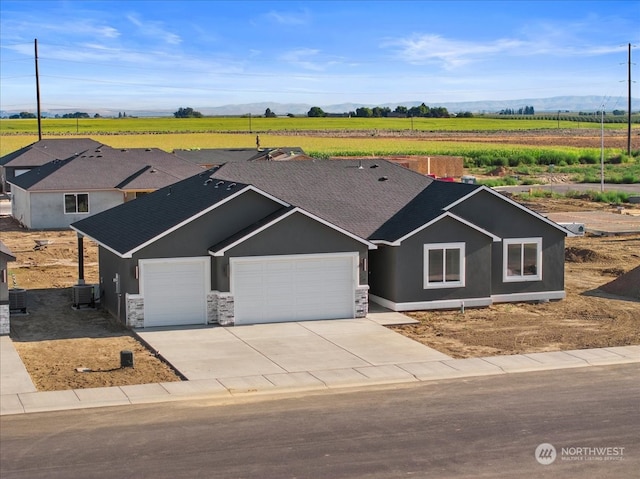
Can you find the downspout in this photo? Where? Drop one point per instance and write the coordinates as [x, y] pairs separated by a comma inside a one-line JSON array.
[[80, 259]]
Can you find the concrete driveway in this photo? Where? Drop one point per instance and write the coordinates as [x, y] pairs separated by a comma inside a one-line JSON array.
[[281, 348]]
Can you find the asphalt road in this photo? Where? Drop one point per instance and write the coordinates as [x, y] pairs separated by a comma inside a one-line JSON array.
[[480, 427]]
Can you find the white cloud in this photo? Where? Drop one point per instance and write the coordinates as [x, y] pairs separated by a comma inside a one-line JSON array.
[[63, 28], [302, 57], [155, 30], [450, 54], [289, 18]]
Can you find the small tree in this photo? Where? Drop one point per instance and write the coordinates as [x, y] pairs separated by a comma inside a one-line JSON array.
[[269, 114], [316, 111], [187, 113]]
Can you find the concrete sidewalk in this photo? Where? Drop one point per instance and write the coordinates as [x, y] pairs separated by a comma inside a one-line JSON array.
[[282, 382], [224, 363]]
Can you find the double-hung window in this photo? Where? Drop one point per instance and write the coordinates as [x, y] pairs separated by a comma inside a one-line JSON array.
[[444, 265], [522, 259], [76, 203]]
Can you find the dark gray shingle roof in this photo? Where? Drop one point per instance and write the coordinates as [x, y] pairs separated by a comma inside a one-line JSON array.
[[220, 156], [359, 196], [372, 199], [47, 150], [127, 226], [6, 252], [106, 168]]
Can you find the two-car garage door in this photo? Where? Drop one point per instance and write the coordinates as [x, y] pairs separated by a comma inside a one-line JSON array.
[[271, 289], [265, 289]]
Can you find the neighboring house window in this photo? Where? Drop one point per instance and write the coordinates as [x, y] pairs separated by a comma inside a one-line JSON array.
[[76, 203], [522, 259], [444, 265]]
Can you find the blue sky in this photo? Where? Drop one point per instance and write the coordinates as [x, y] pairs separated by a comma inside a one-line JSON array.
[[165, 54]]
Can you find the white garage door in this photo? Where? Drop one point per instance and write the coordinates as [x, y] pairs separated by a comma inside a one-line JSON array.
[[175, 291], [271, 289]]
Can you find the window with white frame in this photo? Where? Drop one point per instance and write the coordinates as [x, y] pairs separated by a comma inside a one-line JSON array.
[[522, 259], [76, 203], [444, 265]]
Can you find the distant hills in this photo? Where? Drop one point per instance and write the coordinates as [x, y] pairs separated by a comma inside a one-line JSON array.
[[540, 105]]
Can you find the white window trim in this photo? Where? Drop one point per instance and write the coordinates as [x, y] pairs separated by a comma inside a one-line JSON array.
[[64, 204], [445, 284], [521, 278]]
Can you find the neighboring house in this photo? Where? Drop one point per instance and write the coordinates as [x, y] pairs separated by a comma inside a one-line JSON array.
[[254, 242], [438, 166], [39, 153], [54, 195], [5, 256], [210, 157]]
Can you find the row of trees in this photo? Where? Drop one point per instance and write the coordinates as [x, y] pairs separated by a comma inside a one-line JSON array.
[[527, 110], [381, 112]]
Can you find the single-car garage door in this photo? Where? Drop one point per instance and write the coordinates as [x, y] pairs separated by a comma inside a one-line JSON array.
[[270, 289], [174, 291]]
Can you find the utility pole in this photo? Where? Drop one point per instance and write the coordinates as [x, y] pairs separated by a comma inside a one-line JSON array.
[[602, 148], [38, 91], [629, 102]]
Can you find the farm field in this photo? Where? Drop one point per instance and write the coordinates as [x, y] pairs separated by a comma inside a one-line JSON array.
[[284, 124], [358, 142]]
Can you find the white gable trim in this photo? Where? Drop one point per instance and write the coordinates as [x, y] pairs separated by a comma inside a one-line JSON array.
[[510, 201], [99, 243], [222, 251], [447, 214], [166, 232]]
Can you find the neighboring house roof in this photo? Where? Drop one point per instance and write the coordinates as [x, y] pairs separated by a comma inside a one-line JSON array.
[[108, 168], [6, 252], [44, 151], [220, 156]]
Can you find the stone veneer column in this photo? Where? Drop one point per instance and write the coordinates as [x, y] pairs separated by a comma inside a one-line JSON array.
[[134, 306], [362, 301], [225, 309], [5, 324], [212, 307]]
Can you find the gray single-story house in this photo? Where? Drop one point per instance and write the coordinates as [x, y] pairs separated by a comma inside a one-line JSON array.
[[54, 195], [40, 153], [5, 256], [280, 241]]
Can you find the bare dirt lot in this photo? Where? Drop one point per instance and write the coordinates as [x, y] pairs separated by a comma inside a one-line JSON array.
[[53, 339], [580, 138]]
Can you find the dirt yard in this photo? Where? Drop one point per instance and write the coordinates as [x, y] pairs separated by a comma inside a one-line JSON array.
[[54, 340], [580, 138]]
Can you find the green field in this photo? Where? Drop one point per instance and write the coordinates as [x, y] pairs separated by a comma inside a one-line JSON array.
[[320, 146], [172, 133], [86, 126]]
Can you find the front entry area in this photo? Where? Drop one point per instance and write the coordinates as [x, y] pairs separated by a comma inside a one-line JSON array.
[[270, 289]]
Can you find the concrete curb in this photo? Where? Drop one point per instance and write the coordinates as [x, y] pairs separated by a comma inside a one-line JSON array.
[[229, 389]]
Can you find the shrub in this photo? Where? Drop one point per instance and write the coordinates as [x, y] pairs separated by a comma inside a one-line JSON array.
[[589, 158]]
